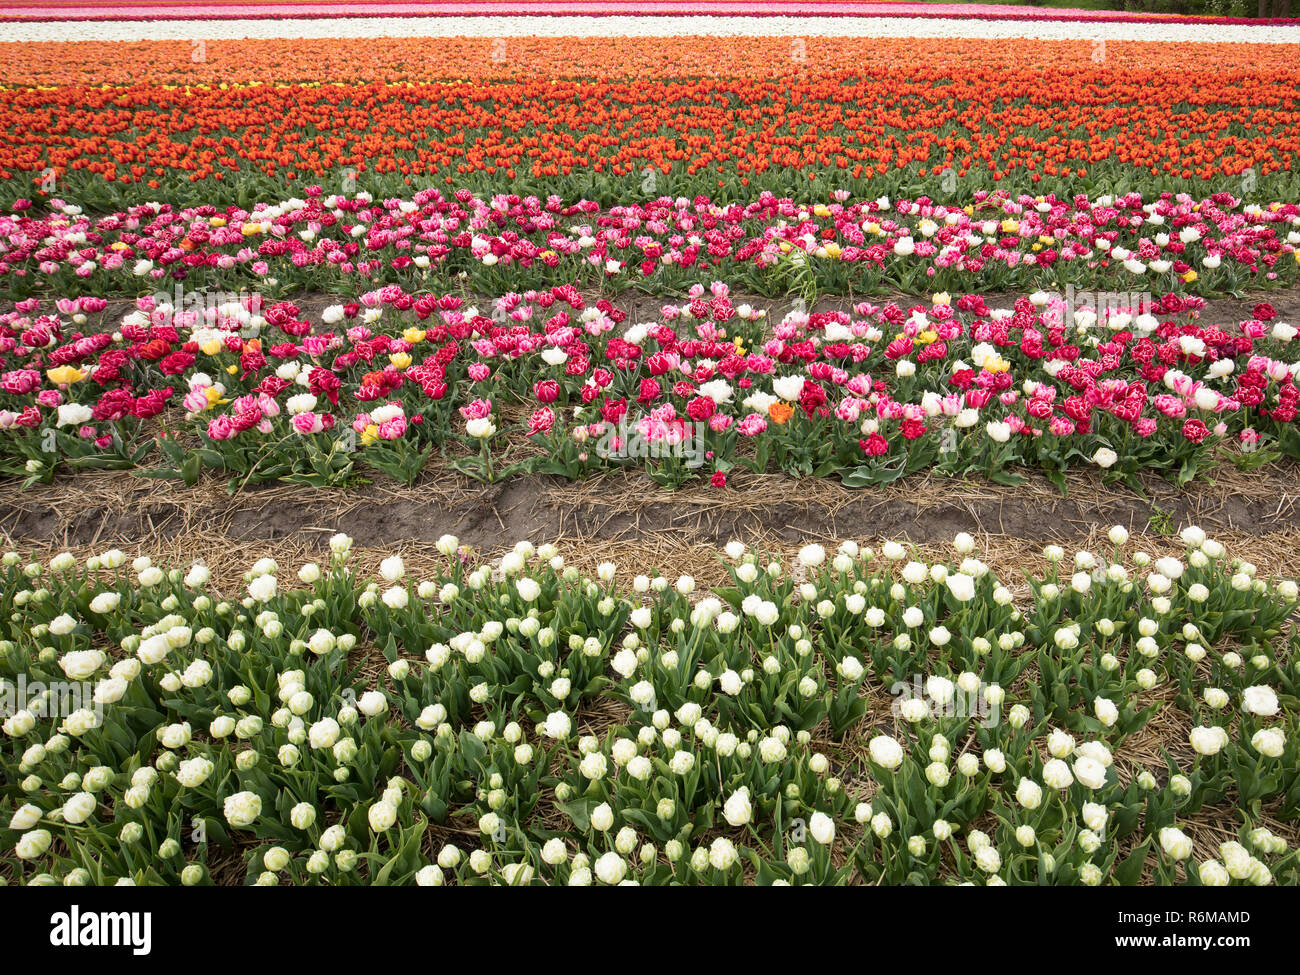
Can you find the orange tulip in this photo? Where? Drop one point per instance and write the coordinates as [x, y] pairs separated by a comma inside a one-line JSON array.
[[780, 413], [562, 106]]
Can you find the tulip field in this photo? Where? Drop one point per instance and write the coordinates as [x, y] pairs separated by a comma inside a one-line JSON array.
[[478, 445]]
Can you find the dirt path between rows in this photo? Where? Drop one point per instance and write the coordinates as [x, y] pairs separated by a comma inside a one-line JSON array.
[[95, 509]]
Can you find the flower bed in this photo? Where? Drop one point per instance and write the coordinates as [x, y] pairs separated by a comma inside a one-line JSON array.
[[729, 745], [155, 9], [312, 62], [53, 11], [1062, 116], [543, 381], [769, 245]]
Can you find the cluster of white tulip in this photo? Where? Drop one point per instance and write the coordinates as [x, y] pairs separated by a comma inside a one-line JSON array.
[[842, 715]]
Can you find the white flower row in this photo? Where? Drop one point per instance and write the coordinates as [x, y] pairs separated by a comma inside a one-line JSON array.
[[252, 701], [632, 26]]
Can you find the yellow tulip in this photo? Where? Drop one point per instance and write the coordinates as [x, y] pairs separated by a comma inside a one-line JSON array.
[[65, 375]]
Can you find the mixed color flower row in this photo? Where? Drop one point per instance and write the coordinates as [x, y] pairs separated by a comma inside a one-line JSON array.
[[345, 243], [544, 381]]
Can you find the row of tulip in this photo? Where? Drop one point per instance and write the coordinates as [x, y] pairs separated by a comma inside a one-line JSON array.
[[543, 381], [726, 117], [347, 243], [152, 10], [313, 62], [841, 716]]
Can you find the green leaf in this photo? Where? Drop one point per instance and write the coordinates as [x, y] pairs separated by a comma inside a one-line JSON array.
[[1128, 873], [407, 854]]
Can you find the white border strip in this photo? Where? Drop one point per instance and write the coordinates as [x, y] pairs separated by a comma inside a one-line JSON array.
[[631, 26]]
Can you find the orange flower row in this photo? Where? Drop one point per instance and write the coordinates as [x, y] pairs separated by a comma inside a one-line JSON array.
[[307, 61], [857, 106]]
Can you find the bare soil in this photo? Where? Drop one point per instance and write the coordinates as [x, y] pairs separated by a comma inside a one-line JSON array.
[[91, 509]]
